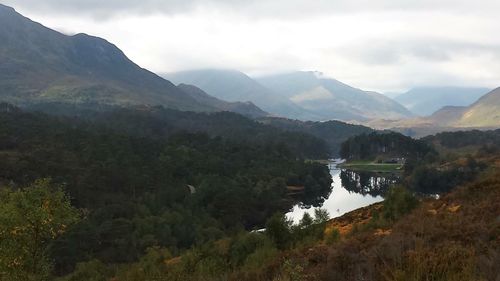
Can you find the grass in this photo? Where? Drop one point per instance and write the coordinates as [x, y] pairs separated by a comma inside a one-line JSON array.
[[363, 165], [320, 161]]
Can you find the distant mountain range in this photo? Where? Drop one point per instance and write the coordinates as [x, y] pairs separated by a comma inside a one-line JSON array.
[[298, 95], [244, 108], [232, 85], [484, 113], [333, 99], [426, 100]]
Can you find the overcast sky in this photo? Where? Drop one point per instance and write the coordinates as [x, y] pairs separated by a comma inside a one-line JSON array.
[[383, 45]]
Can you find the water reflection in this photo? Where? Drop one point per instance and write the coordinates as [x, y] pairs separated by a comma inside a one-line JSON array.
[[367, 183], [314, 198], [350, 190]]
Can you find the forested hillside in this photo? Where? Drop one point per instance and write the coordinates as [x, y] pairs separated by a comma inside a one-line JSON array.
[[159, 122], [156, 187], [334, 133], [407, 237], [383, 144]]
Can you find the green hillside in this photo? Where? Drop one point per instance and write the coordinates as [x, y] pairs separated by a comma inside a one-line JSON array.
[[40, 64], [485, 112]]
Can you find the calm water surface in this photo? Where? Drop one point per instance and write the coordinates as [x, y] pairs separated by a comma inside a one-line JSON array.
[[350, 190]]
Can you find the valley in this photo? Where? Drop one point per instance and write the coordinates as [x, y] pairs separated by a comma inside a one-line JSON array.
[[200, 171]]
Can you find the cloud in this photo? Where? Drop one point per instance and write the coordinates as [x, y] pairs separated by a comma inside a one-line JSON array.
[[437, 50], [289, 9], [383, 45]]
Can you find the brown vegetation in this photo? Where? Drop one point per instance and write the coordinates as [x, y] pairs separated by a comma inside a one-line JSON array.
[[454, 238]]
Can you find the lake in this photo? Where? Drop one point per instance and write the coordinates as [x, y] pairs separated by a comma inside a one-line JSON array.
[[350, 190]]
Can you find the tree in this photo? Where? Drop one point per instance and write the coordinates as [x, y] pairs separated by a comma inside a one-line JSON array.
[[398, 202], [29, 219], [321, 216], [278, 229], [306, 220]]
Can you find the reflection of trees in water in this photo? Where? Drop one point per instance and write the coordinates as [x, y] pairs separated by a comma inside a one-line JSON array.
[[314, 197], [364, 183]]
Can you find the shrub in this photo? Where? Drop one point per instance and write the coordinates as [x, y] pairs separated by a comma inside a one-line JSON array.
[[399, 202], [332, 236], [278, 229]]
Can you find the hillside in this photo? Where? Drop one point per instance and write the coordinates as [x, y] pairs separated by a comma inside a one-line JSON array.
[[332, 132], [426, 100], [484, 112], [333, 99], [405, 237], [232, 86], [42, 65], [447, 115], [244, 108], [129, 171]]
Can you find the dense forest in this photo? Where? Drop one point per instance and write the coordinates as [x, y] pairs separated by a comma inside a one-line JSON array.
[[384, 145], [159, 123], [319, 140], [432, 165], [473, 138], [148, 193], [151, 186], [334, 133]]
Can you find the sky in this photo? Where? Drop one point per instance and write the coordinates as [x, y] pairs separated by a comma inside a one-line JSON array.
[[380, 45]]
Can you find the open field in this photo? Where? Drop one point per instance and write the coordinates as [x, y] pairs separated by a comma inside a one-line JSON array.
[[371, 166]]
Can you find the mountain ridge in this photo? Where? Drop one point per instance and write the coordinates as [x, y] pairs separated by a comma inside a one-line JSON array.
[[42, 65], [424, 101], [484, 112], [334, 99], [244, 108], [232, 85]]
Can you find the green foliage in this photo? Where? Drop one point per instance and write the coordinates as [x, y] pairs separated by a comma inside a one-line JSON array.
[[427, 178], [387, 144], [93, 270], [151, 266], [260, 257], [333, 132], [398, 202], [246, 245], [321, 216], [306, 220], [278, 228], [29, 219], [130, 171], [461, 139]]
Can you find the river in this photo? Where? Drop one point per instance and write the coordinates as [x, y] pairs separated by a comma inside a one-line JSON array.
[[350, 190]]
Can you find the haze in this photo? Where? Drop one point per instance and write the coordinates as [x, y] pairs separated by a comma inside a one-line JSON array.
[[384, 45]]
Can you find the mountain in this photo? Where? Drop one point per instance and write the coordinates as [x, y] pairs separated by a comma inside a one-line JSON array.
[[446, 116], [231, 85], [333, 99], [41, 65], [484, 112], [426, 100], [244, 108]]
